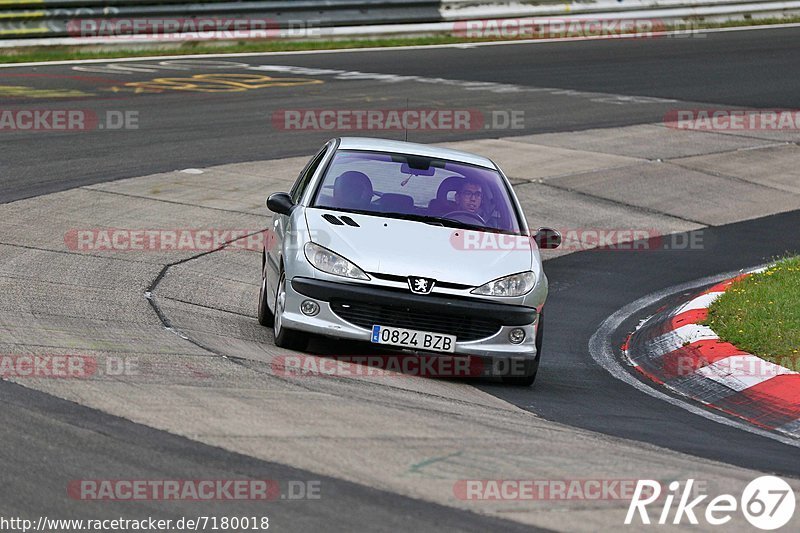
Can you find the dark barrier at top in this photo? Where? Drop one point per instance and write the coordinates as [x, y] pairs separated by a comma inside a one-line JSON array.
[[80, 18]]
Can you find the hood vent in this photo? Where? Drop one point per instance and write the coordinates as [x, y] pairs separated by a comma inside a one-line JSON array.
[[333, 220], [340, 221]]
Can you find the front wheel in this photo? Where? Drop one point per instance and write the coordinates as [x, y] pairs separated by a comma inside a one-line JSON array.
[[265, 316], [284, 337], [531, 367]]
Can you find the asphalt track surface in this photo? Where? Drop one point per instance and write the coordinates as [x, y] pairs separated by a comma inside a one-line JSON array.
[[182, 129], [588, 287], [47, 441]]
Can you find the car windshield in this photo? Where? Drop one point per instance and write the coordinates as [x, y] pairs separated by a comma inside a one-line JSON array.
[[430, 190]]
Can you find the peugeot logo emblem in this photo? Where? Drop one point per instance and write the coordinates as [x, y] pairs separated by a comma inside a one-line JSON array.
[[420, 285]]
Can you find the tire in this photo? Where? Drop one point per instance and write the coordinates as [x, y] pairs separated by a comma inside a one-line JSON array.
[[265, 316], [284, 337], [531, 367]]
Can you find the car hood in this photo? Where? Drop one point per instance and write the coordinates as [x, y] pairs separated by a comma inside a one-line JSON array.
[[410, 248]]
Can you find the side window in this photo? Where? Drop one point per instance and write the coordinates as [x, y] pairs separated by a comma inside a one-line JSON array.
[[305, 176]]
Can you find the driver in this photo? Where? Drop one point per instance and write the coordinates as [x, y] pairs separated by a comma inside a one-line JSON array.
[[469, 196]]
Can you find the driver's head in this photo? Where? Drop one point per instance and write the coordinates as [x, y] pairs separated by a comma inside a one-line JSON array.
[[469, 196]]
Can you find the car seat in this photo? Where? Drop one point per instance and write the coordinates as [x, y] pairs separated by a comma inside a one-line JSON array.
[[395, 203], [441, 205], [352, 190]]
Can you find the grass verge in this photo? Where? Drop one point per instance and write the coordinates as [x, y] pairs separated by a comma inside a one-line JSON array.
[[62, 53], [761, 314]]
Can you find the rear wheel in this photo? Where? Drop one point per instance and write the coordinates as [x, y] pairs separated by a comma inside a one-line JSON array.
[[531, 367], [284, 337]]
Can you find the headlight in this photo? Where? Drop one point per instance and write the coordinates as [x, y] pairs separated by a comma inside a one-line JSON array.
[[332, 263], [513, 285]]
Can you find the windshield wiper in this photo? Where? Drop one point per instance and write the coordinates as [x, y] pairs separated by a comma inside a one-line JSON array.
[[464, 225], [426, 219], [417, 218], [436, 221]]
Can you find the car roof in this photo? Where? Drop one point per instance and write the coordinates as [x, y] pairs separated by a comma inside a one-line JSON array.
[[400, 147]]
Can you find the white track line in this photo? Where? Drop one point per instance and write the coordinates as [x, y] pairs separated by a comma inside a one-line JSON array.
[[677, 338], [701, 302], [602, 352]]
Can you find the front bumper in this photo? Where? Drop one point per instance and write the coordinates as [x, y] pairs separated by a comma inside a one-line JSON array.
[[328, 323]]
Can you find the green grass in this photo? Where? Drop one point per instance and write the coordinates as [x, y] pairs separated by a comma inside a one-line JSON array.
[[61, 53], [761, 314]]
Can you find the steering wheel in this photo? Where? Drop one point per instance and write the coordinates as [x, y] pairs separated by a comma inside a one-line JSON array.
[[467, 214]]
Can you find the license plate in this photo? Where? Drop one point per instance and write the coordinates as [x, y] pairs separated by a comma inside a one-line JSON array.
[[411, 338]]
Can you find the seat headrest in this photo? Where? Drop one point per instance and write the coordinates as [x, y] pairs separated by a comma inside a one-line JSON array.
[[453, 183], [400, 203], [352, 189]]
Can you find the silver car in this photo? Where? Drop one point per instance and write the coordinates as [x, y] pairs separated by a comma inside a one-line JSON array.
[[418, 248]]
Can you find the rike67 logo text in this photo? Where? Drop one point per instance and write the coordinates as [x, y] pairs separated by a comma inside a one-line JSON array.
[[767, 502]]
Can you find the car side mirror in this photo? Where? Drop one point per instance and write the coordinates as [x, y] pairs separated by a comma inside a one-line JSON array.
[[281, 203], [547, 239]]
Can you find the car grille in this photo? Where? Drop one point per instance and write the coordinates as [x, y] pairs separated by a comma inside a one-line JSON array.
[[367, 315], [404, 279]]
